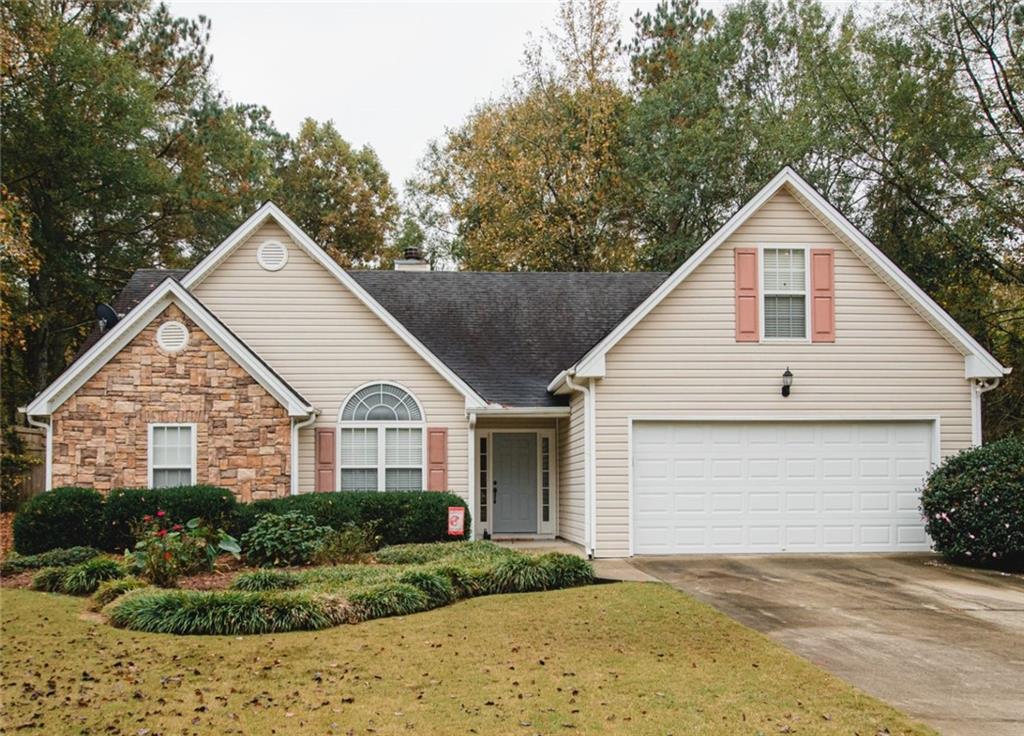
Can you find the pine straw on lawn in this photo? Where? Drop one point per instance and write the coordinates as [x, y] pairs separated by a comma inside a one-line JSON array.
[[624, 658]]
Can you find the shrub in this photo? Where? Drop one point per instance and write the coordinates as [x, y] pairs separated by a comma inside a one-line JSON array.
[[49, 580], [420, 554], [566, 571], [85, 578], [973, 505], [126, 507], [467, 582], [61, 518], [166, 551], [265, 580], [351, 544], [226, 612], [520, 574], [401, 517], [388, 599], [110, 590], [283, 539], [53, 558], [437, 586]]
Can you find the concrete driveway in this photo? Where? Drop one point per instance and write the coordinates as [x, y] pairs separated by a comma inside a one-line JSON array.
[[942, 644]]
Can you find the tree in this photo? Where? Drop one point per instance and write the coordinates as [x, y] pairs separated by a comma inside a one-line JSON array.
[[341, 196], [530, 180]]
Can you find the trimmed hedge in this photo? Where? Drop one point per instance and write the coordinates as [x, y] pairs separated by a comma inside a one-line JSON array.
[[973, 505], [61, 518], [401, 517], [226, 611], [125, 508], [52, 558]]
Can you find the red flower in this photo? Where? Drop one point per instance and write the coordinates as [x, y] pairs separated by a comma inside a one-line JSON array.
[[161, 514], [162, 533], [167, 555], [177, 528], [147, 517]]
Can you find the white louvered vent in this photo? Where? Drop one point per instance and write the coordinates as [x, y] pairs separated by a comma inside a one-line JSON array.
[[272, 255], [172, 336]]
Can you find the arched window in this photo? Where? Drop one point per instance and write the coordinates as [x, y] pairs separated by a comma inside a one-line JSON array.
[[382, 440]]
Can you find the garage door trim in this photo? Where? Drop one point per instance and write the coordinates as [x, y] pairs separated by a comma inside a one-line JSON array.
[[810, 416]]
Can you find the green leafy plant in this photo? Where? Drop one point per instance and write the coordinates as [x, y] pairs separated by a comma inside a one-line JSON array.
[[86, 577], [265, 580], [126, 507], [49, 580], [520, 574], [437, 586], [973, 505], [284, 539], [227, 612], [166, 551], [53, 558], [388, 599], [110, 590], [61, 518], [351, 544], [566, 571]]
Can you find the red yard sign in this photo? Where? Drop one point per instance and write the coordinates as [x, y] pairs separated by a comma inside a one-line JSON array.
[[456, 521]]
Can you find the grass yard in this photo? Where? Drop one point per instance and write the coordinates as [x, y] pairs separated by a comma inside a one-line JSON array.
[[623, 658]]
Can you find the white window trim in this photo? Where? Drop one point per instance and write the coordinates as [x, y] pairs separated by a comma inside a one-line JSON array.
[[805, 293], [149, 448], [382, 428]]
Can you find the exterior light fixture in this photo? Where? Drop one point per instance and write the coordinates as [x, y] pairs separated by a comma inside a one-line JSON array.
[[787, 381]]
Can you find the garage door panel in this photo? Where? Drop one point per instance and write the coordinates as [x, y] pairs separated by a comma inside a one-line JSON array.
[[778, 486]]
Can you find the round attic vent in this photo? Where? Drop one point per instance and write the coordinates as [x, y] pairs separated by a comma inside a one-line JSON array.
[[272, 255], [172, 336]]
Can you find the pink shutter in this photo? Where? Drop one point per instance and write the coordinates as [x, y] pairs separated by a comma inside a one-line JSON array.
[[325, 460], [823, 295], [437, 459], [747, 327]]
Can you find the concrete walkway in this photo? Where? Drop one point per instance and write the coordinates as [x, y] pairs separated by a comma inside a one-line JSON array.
[[943, 644]]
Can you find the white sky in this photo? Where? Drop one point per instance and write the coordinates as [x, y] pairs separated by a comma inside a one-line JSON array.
[[393, 75]]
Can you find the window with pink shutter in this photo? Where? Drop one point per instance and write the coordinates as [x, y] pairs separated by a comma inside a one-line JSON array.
[[823, 295], [747, 329], [324, 439], [437, 459]]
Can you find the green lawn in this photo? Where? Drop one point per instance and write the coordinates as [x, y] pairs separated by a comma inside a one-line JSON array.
[[623, 658]]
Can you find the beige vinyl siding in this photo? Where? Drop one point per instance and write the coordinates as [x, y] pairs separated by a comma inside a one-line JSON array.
[[497, 423], [326, 343], [571, 473], [683, 359]]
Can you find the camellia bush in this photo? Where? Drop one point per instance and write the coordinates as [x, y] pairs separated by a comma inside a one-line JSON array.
[[974, 505]]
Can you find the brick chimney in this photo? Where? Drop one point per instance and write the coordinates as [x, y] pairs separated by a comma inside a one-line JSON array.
[[412, 260]]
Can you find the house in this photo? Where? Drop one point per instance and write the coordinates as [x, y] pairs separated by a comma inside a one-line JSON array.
[[786, 389]]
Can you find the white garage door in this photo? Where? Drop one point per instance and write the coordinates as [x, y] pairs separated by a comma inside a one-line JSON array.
[[797, 486]]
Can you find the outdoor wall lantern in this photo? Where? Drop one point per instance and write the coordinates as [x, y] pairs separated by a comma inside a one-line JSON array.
[[787, 381]]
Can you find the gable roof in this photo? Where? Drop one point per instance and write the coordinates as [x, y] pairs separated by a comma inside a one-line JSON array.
[[271, 211], [506, 334], [142, 314], [978, 363]]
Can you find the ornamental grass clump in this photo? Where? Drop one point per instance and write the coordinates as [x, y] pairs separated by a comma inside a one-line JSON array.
[[520, 574], [53, 558], [85, 578], [266, 580], [226, 612], [387, 599], [110, 590], [49, 580], [566, 571], [437, 587]]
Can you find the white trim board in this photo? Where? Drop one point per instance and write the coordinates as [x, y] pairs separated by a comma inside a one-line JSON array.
[[113, 341], [271, 211], [978, 363]]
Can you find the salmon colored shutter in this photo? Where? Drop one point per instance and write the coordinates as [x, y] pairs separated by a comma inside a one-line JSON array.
[[325, 460], [823, 295], [747, 327], [437, 459]]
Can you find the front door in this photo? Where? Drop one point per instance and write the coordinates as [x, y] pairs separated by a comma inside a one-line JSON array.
[[515, 482]]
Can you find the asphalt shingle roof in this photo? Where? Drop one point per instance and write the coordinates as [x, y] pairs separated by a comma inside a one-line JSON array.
[[505, 334]]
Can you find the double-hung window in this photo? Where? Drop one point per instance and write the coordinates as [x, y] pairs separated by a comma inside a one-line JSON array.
[[382, 436], [172, 455], [785, 293]]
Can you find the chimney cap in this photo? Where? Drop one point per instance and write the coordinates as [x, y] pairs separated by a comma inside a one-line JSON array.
[[412, 260]]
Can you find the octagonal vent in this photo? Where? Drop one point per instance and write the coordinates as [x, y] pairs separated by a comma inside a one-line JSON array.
[[172, 336], [272, 255]]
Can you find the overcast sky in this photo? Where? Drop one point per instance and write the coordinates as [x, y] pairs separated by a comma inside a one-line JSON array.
[[393, 75]]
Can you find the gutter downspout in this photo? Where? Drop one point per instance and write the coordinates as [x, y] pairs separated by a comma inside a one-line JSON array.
[[48, 426], [589, 475], [296, 426], [978, 387]]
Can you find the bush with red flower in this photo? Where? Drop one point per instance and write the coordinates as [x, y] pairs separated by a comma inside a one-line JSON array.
[[167, 550]]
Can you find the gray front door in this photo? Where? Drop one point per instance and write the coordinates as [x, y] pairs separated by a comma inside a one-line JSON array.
[[515, 482]]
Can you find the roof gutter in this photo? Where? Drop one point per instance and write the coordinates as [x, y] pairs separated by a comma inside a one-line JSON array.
[[296, 426], [48, 426]]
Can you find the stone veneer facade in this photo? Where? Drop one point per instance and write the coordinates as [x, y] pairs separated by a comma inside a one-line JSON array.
[[243, 435]]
